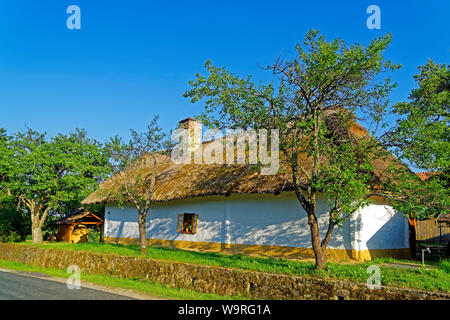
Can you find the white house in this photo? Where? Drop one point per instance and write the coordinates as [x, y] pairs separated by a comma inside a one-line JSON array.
[[230, 207]]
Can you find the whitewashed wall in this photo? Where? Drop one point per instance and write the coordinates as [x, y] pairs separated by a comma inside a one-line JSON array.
[[380, 227], [261, 220]]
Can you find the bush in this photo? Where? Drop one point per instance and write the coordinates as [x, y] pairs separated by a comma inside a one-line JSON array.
[[12, 237], [94, 235], [15, 224], [445, 265]]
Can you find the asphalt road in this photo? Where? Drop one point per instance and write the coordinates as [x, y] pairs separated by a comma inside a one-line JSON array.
[[14, 286]]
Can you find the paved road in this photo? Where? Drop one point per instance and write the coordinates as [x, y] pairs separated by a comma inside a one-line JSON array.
[[14, 286]]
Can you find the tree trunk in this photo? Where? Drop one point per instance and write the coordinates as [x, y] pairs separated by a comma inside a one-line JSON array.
[[142, 233], [36, 232], [315, 239], [310, 207], [319, 253], [312, 219], [36, 229]]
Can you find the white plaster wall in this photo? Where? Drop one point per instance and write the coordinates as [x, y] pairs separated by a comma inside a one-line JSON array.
[[162, 220], [380, 227], [261, 220], [277, 220]]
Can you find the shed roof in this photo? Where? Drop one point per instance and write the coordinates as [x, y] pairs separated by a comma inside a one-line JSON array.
[[77, 215]]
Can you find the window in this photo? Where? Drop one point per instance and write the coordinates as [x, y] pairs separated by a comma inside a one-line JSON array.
[[187, 223]]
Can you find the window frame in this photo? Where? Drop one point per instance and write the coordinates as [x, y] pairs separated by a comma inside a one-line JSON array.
[[181, 223]]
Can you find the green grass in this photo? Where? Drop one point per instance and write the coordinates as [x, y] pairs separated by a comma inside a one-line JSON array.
[[146, 287], [429, 279], [422, 278]]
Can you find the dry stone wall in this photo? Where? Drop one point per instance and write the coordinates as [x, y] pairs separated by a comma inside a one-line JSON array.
[[222, 281]]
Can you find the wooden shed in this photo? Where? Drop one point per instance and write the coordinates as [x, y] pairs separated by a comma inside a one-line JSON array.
[[74, 227]]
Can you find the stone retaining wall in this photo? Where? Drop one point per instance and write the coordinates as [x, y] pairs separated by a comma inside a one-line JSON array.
[[222, 281]]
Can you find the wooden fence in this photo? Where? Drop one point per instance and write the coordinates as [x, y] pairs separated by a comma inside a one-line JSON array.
[[428, 231]]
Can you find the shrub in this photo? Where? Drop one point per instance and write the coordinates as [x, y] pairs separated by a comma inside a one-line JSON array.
[[14, 223], [13, 236], [445, 265], [94, 235]]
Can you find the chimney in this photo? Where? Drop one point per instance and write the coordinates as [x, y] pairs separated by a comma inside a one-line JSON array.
[[195, 132]]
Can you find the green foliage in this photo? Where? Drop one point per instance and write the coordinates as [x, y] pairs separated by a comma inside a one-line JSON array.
[[12, 236], [94, 235], [50, 175], [14, 222], [132, 183], [126, 154], [445, 265], [313, 103], [416, 198], [140, 151], [324, 77], [58, 172], [422, 137]]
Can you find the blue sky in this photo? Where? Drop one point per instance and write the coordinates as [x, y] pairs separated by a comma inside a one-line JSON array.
[[133, 59]]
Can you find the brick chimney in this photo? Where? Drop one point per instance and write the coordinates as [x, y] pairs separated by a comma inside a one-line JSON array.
[[195, 133]]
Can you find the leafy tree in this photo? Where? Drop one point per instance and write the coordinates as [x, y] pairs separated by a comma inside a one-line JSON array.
[[422, 137], [45, 174], [313, 103], [131, 182], [14, 222]]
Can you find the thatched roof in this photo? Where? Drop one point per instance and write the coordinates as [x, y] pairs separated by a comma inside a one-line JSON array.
[[180, 181], [78, 215]]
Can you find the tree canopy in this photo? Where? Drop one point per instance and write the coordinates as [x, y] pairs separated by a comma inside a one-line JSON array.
[[421, 137], [140, 151], [313, 103], [50, 174], [422, 134]]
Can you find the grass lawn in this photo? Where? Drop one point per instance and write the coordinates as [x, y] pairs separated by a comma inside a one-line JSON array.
[[421, 278], [147, 287]]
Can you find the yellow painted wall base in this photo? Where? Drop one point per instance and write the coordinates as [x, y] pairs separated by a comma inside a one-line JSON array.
[[271, 251]]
